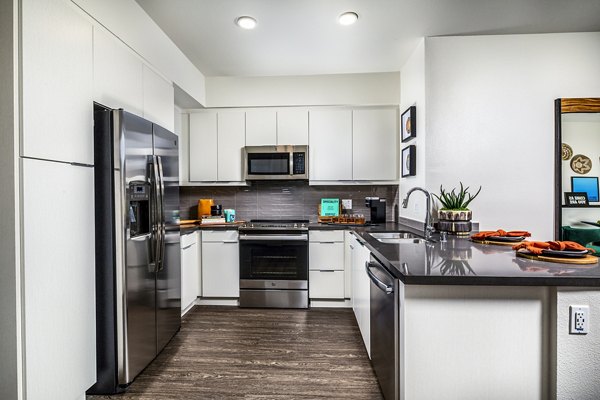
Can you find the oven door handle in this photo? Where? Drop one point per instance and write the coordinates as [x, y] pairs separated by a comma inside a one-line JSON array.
[[302, 237]]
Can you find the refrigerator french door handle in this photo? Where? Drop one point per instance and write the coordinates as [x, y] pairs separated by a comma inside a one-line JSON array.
[[162, 223], [156, 226]]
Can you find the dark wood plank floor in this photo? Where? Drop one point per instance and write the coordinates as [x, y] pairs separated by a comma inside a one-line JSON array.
[[233, 353]]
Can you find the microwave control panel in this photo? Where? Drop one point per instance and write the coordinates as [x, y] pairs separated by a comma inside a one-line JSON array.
[[299, 163]]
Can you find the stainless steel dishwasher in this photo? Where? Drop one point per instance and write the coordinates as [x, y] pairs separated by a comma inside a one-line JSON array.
[[384, 328]]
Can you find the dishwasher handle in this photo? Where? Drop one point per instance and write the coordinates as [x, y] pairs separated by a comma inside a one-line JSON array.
[[381, 285]]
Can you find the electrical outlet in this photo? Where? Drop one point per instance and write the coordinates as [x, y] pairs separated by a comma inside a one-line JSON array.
[[579, 319], [346, 204]]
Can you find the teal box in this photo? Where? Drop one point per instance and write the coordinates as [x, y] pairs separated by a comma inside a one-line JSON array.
[[330, 207]]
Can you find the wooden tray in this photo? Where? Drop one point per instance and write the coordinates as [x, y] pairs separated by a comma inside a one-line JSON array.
[[588, 259], [497, 243]]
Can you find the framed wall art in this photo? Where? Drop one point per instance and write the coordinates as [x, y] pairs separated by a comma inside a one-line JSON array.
[[409, 123], [409, 161]]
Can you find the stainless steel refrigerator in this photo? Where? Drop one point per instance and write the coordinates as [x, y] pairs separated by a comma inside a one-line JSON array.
[[138, 287]]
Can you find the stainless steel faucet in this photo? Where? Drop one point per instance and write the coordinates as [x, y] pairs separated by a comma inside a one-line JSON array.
[[428, 228]]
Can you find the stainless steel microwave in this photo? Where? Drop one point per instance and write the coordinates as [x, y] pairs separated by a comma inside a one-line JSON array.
[[275, 162]]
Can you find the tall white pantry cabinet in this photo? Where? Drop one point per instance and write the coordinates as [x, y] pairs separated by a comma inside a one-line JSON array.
[[57, 200], [63, 70]]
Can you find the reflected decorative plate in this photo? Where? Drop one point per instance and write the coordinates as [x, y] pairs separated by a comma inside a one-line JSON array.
[[508, 239], [565, 253], [567, 152], [581, 164]]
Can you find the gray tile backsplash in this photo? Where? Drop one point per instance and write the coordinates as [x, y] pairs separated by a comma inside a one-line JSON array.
[[289, 199]]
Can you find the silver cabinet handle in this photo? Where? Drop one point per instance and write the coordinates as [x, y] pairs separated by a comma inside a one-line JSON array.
[[274, 237], [326, 270], [381, 285], [229, 242], [351, 247]]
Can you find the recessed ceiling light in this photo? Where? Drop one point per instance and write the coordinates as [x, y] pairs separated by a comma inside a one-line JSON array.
[[246, 22], [348, 18]]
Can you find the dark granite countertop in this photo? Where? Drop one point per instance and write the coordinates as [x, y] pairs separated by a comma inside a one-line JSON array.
[[185, 229], [459, 261], [382, 227]]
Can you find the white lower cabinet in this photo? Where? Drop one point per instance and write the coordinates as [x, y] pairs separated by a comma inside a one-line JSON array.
[[361, 290], [220, 263], [326, 265], [190, 269]]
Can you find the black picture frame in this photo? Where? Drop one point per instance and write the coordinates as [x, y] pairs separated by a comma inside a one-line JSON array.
[[409, 161], [576, 199], [587, 185], [408, 124]]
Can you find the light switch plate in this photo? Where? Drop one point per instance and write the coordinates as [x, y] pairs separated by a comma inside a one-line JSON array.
[[347, 204], [579, 320]]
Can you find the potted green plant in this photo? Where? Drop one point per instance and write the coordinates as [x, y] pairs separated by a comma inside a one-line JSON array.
[[455, 216]]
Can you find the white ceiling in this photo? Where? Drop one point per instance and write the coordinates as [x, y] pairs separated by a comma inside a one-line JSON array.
[[302, 37]]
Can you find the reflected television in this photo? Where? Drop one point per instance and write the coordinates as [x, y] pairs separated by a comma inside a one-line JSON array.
[[587, 185]]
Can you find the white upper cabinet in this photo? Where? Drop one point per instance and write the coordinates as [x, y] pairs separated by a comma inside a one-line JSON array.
[[375, 144], [292, 126], [261, 127], [231, 139], [57, 82], [330, 144], [203, 146], [117, 74], [159, 99]]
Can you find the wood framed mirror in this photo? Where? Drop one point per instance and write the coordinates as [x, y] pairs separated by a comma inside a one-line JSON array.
[[577, 169]]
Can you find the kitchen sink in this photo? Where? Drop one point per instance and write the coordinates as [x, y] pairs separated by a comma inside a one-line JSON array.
[[397, 237]]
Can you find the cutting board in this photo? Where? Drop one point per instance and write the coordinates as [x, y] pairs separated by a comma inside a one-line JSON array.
[[588, 259], [496, 243]]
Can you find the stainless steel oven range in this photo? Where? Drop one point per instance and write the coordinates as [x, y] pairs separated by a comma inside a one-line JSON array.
[[274, 264]]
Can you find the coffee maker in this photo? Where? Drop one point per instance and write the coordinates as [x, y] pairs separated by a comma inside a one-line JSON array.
[[377, 206]]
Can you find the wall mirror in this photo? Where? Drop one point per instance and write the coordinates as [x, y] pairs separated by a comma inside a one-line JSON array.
[[577, 170]]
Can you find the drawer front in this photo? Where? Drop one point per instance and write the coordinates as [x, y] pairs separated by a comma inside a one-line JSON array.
[[326, 256], [219, 236], [188, 239], [326, 284], [326, 236]]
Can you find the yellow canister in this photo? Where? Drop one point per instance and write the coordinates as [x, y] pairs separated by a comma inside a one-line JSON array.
[[204, 207]]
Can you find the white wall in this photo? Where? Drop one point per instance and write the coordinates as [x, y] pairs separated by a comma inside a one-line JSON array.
[[475, 342], [10, 364], [128, 21], [412, 93], [490, 119], [342, 89], [578, 356]]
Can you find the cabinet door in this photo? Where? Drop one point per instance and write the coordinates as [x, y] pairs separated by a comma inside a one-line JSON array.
[[292, 126], [190, 269], [117, 74], [231, 140], [330, 145], [57, 82], [375, 144], [261, 127], [364, 295], [220, 269], [203, 146], [159, 99], [348, 246], [58, 279], [326, 284]]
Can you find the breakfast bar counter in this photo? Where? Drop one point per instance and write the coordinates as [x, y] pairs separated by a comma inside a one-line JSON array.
[[459, 261]]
